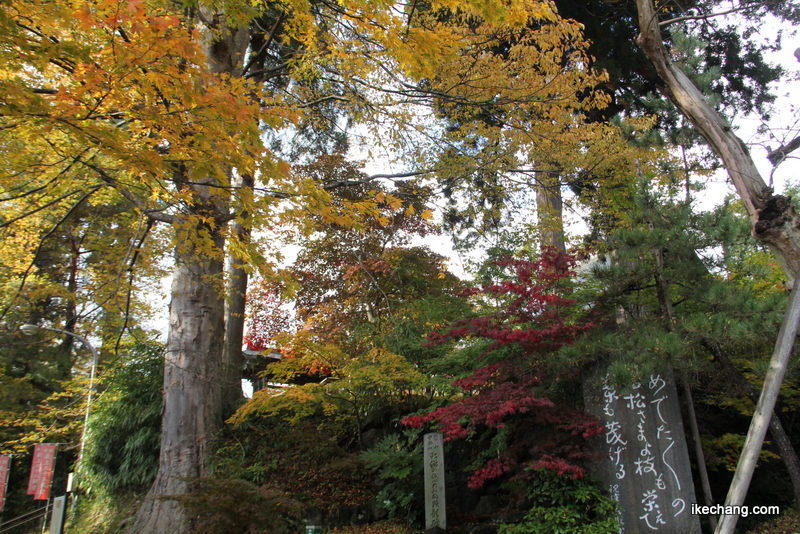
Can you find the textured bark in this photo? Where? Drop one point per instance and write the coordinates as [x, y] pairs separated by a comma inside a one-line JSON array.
[[232, 357], [775, 223], [774, 220], [192, 408], [193, 378]]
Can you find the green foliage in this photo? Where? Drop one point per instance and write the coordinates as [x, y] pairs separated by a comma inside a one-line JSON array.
[[231, 506], [104, 514], [702, 268], [398, 461], [406, 335], [124, 436], [563, 505], [723, 452]]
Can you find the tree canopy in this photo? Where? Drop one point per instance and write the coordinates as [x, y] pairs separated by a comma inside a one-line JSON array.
[[132, 129]]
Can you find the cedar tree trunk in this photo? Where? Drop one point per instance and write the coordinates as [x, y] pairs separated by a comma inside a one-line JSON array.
[[193, 378], [192, 409], [550, 210], [232, 358]]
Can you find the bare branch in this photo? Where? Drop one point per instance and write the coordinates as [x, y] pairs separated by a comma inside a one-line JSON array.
[[779, 155], [700, 17], [324, 99], [155, 214], [409, 174]]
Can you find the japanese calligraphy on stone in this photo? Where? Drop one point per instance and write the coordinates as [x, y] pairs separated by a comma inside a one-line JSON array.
[[646, 462]]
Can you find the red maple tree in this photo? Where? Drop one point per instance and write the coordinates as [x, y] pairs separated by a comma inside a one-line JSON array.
[[535, 318]]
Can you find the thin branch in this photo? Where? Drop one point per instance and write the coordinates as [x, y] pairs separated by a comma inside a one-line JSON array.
[[155, 214], [324, 99], [40, 208], [39, 249], [700, 17], [409, 174], [267, 43], [137, 249]]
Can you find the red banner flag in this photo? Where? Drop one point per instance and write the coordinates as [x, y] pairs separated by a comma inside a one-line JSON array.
[[44, 456], [5, 466]]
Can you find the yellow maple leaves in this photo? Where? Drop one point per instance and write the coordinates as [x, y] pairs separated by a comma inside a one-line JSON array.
[[122, 93]]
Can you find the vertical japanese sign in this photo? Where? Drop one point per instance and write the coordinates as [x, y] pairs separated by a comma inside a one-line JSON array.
[[646, 466], [5, 467], [57, 518], [433, 453], [44, 456]]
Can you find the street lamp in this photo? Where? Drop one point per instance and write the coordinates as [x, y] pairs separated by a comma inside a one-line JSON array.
[[31, 329]]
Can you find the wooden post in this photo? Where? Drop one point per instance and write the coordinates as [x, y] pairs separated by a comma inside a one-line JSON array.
[[763, 413]]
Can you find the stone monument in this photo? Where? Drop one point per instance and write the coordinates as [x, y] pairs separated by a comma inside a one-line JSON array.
[[433, 454], [646, 462]]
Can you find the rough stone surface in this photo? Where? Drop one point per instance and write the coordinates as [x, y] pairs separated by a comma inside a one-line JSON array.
[[487, 506], [484, 529], [645, 463]]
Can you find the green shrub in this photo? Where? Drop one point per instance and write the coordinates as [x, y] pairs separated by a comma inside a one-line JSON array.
[[124, 435], [304, 460], [563, 505], [398, 461]]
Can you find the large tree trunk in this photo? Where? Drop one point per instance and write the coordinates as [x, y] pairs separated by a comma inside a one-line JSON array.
[[193, 378], [550, 210], [232, 357], [775, 222], [192, 409]]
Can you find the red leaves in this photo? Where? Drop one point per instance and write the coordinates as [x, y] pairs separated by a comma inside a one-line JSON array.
[[559, 465], [268, 315], [490, 407], [493, 469], [479, 378], [535, 314], [536, 317]]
